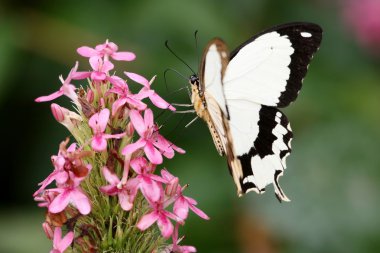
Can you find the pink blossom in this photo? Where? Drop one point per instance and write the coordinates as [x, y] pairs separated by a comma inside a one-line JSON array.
[[182, 203], [125, 192], [98, 123], [62, 166], [61, 244], [150, 140], [125, 97], [147, 181], [159, 215], [153, 96], [44, 198], [175, 248], [363, 18], [66, 89], [105, 50], [70, 194]]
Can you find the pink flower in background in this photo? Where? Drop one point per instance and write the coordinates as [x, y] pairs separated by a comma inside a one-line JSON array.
[[66, 89], [125, 192], [61, 244], [108, 49], [153, 96], [98, 123], [363, 18]]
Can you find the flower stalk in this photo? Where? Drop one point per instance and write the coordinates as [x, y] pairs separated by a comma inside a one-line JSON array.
[[110, 188]]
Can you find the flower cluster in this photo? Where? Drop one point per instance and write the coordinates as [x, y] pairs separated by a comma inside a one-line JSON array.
[[363, 19], [109, 178]]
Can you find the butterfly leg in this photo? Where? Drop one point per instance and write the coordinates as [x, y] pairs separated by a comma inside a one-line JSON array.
[[183, 105], [186, 111], [191, 122]]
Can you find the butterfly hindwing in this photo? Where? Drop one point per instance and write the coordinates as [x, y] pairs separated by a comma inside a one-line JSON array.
[[265, 161]]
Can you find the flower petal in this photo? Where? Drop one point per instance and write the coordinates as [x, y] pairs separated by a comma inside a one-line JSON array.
[[81, 201], [147, 220], [165, 226], [138, 79], [123, 56], [148, 118], [60, 202], [99, 143], [152, 153], [110, 177], [87, 51], [125, 201], [160, 102], [138, 163], [65, 242], [199, 212], [49, 97], [181, 208], [130, 148], [150, 189], [138, 122]]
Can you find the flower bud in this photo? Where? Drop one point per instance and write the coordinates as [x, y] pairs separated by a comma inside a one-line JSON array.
[[129, 129], [90, 96], [58, 112], [48, 230], [171, 187]]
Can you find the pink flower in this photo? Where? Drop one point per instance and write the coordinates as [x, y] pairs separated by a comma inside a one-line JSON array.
[[147, 181], [159, 215], [150, 140], [98, 123], [182, 203], [363, 18], [62, 165], [70, 194], [125, 192], [153, 96], [175, 248], [66, 89], [61, 244], [125, 97], [105, 50]]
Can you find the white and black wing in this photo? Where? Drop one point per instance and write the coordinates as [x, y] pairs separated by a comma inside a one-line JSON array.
[[269, 68], [264, 73]]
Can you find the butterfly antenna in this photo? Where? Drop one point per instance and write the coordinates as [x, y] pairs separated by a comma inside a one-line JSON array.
[[167, 46], [196, 45]]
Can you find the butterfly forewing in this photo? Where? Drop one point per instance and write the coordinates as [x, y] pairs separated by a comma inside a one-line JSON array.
[[269, 68]]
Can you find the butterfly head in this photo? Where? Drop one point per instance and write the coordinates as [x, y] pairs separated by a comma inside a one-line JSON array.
[[194, 81]]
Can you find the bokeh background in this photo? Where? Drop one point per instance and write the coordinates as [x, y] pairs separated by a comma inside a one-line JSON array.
[[333, 175]]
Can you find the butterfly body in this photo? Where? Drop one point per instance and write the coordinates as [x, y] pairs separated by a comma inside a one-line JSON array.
[[238, 96]]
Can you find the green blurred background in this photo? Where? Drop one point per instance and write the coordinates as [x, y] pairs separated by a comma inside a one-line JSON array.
[[333, 175]]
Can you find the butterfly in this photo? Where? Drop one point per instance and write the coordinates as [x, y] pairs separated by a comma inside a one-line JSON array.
[[239, 94]]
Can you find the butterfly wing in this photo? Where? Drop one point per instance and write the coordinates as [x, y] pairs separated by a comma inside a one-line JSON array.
[[269, 68], [213, 65], [264, 73]]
